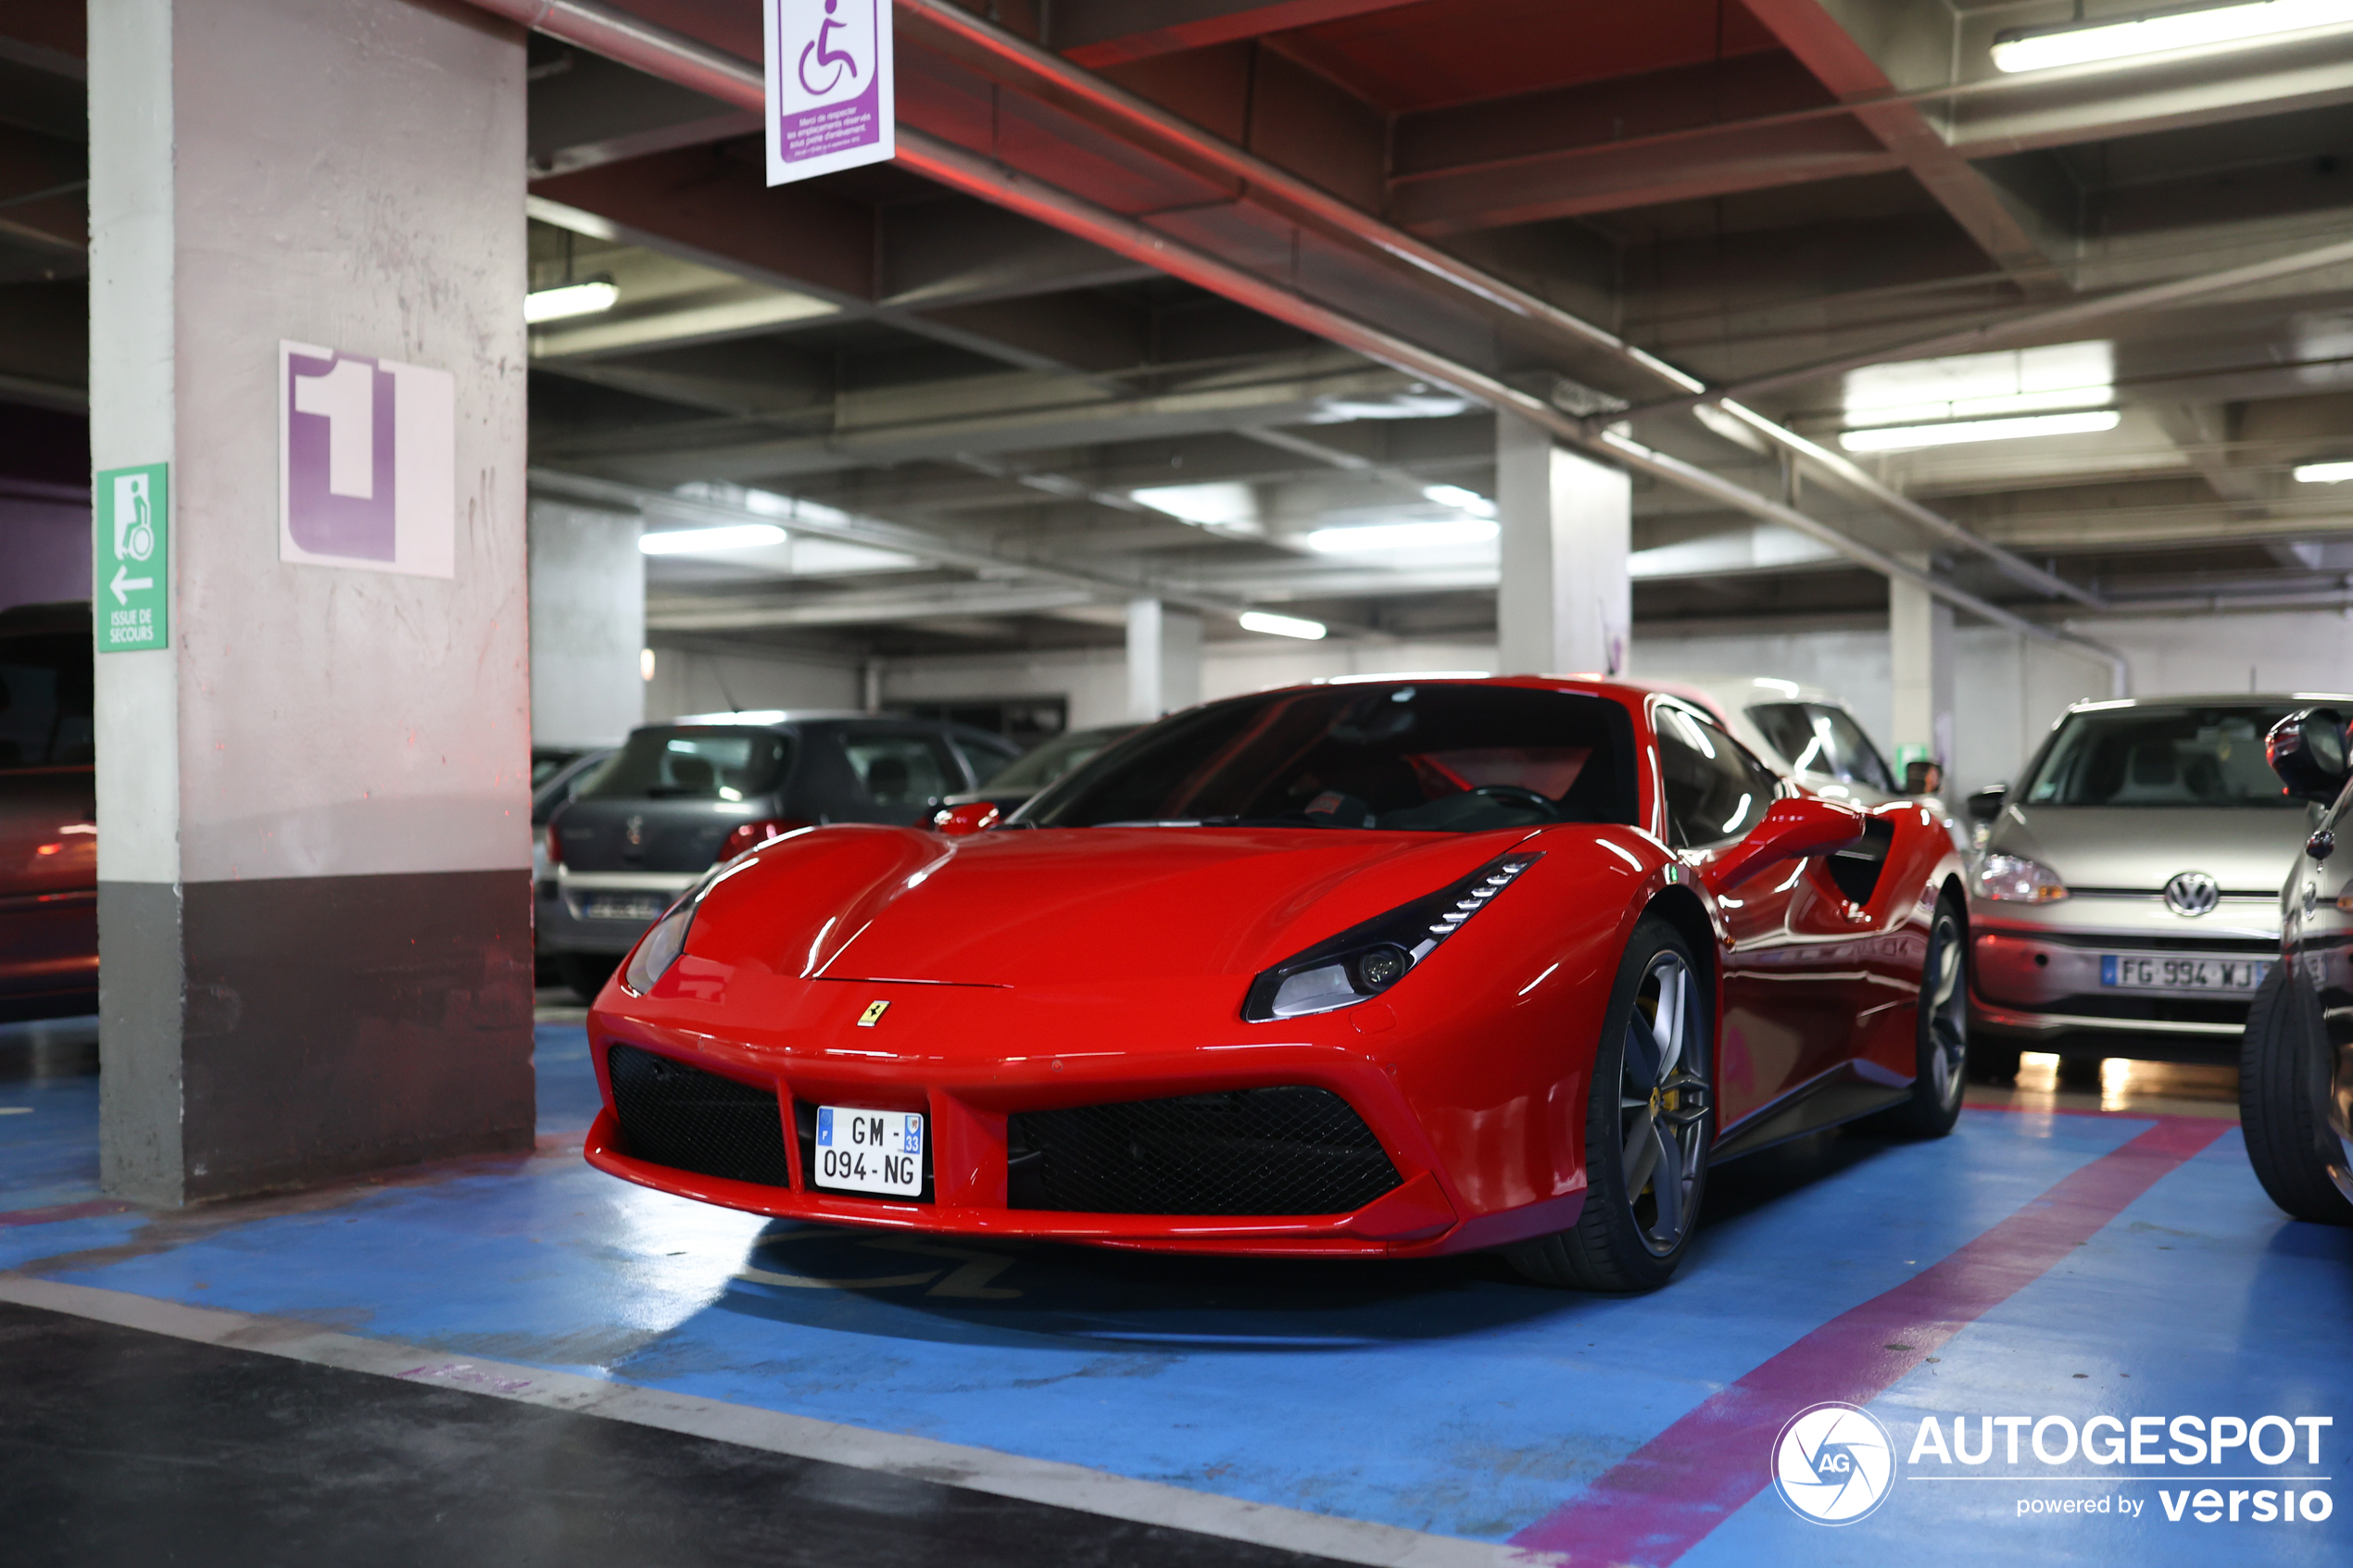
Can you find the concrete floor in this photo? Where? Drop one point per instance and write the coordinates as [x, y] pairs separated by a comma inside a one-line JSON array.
[[2063, 1254]]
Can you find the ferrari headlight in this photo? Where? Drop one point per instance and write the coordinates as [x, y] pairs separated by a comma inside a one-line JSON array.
[[1366, 960], [666, 938], [2014, 879]]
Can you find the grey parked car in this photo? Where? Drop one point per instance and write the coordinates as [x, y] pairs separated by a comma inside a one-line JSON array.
[[2128, 901], [682, 797]]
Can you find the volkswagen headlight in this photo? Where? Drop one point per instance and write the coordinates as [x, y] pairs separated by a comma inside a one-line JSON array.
[[2014, 879], [1366, 960]]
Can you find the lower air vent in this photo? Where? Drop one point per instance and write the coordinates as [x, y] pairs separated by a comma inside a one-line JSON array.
[[680, 1116], [1249, 1152]]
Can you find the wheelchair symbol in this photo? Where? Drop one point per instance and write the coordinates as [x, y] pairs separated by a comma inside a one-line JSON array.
[[826, 54]]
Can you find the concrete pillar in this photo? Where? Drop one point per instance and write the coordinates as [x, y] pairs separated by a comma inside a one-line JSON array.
[[588, 625], [1164, 659], [314, 897], [1565, 603], [1919, 634]]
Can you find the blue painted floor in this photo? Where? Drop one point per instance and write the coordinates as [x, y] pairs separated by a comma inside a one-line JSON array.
[[1444, 1396]]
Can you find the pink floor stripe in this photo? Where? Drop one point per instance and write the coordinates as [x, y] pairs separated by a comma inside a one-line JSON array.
[[1664, 1498], [56, 1212]]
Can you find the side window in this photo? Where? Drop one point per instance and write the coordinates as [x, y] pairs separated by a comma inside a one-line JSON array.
[[1715, 790], [900, 771], [984, 759]]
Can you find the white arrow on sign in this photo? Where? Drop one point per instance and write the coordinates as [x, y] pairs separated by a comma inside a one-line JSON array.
[[123, 583]]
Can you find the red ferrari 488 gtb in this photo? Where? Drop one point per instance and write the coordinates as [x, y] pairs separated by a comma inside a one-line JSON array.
[[1397, 966]]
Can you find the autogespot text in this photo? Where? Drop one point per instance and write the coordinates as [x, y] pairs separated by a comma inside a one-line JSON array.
[[2149, 1454]]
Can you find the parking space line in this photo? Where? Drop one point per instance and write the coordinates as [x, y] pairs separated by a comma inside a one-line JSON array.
[[1665, 1497], [953, 1465]]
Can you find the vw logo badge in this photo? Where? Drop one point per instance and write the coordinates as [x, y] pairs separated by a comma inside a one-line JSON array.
[[1833, 1463], [2192, 893], [635, 831]]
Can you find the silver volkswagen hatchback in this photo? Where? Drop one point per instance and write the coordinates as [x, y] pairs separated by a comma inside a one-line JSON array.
[[2128, 901]]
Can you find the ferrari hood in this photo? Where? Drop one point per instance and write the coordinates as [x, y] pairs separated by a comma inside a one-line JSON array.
[[1062, 906]]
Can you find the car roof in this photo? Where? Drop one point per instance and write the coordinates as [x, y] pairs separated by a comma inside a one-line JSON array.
[[2209, 699], [764, 718], [1734, 692]]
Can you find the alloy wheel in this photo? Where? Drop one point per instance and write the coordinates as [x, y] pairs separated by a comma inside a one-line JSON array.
[[1662, 1104], [1947, 1003]]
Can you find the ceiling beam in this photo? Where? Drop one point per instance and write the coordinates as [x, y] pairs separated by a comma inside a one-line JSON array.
[[1820, 34], [1099, 33]]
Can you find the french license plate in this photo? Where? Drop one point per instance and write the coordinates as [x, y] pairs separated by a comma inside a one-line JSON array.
[[869, 1150], [624, 908], [2182, 973]]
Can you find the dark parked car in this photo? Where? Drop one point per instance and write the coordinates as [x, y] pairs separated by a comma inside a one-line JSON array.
[[1040, 766], [48, 815], [682, 797], [2296, 1063]]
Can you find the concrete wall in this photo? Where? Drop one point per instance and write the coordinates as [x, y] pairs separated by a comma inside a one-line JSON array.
[[2008, 689], [1096, 683], [588, 625], [314, 881], [695, 680]]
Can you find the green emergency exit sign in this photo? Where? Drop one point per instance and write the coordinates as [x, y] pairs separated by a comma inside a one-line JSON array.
[[131, 584]]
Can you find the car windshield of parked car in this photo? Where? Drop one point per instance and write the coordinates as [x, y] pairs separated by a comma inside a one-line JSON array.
[[45, 701], [1424, 756], [1049, 761], [692, 763], [1814, 737], [2161, 754]]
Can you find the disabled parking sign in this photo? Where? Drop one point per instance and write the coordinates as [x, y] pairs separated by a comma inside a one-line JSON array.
[[132, 580], [830, 100]]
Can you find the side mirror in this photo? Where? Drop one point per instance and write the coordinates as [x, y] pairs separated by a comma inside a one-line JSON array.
[[1985, 805], [1792, 830], [1923, 777], [970, 817], [2307, 749]]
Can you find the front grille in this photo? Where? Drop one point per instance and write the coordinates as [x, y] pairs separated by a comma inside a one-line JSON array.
[[680, 1116], [1293, 1150]]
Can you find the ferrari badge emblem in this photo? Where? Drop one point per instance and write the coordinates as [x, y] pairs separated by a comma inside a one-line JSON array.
[[873, 1015]]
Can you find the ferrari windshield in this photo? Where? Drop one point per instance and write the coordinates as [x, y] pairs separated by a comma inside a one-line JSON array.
[[2162, 754], [1424, 757]]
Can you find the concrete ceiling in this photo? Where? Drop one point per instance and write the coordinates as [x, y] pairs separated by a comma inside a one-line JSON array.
[[1738, 186]]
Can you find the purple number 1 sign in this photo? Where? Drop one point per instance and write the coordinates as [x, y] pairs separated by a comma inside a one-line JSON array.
[[829, 86], [367, 463]]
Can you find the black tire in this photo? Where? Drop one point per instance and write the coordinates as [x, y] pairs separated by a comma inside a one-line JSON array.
[[2283, 1093], [1941, 1063], [586, 973], [1992, 1061], [2080, 1072], [1633, 1230]]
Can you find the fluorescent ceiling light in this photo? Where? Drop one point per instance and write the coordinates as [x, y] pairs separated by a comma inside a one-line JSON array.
[[696, 541], [2203, 28], [1281, 625], [1462, 501], [2323, 473], [1230, 507], [1401, 536], [1903, 438], [569, 299], [1980, 386]]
